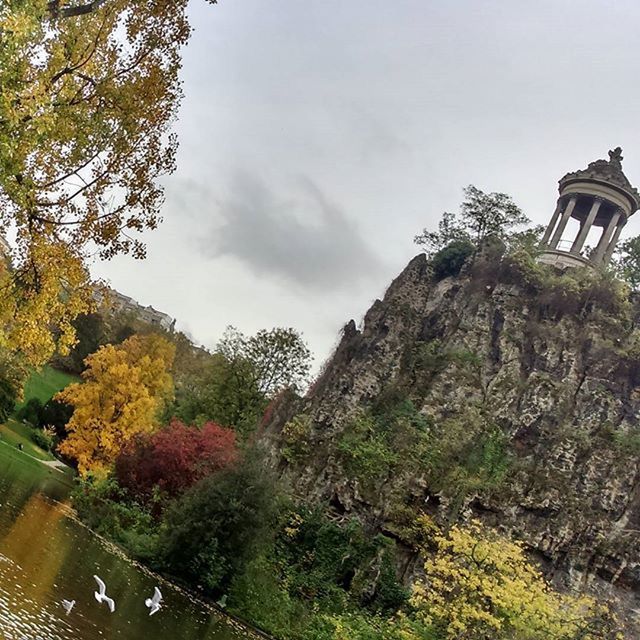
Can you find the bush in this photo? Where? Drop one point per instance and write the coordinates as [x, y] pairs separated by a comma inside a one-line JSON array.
[[42, 439], [449, 261], [386, 440], [30, 412], [258, 594], [173, 459], [336, 567], [55, 414], [214, 529], [106, 509]]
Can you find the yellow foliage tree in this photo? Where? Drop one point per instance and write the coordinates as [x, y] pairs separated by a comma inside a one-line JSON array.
[[123, 391], [481, 585], [88, 94]]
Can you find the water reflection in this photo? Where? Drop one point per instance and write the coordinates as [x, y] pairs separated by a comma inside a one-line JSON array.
[[46, 557]]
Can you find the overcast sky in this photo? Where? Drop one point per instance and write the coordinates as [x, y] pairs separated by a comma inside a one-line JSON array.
[[317, 138]]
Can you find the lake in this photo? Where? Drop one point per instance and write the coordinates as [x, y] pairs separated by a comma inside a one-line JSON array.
[[47, 556]]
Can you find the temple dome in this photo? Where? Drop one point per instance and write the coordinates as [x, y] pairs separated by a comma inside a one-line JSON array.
[[607, 173]]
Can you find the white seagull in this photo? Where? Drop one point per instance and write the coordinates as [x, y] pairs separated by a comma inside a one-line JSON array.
[[101, 595], [67, 605], [154, 603]]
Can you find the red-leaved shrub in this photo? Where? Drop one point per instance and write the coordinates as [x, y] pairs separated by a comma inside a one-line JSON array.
[[175, 458]]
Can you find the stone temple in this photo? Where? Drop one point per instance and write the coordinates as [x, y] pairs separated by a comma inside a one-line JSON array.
[[599, 196]]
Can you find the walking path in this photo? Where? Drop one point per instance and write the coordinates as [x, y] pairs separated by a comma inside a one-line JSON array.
[[53, 464]]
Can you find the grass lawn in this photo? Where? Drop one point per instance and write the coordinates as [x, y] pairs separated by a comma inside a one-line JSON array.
[[11, 453], [42, 385], [14, 433], [32, 468], [46, 383]]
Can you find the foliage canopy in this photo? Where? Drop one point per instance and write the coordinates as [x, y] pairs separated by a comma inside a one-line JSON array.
[[123, 390]]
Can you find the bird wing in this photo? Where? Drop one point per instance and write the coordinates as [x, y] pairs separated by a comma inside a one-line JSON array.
[[111, 603], [102, 587], [157, 596]]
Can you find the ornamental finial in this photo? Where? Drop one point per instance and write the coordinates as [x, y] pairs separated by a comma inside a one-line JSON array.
[[615, 157]]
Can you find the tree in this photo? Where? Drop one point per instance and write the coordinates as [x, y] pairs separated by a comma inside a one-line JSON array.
[[627, 261], [88, 92], [56, 415], [481, 215], [232, 386], [211, 532], [224, 391], [90, 335], [123, 391], [13, 374], [481, 585], [278, 358], [174, 458]]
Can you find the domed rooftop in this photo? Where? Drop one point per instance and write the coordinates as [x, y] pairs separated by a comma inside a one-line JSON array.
[[605, 172]]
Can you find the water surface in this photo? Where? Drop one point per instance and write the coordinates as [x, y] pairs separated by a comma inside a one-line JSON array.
[[46, 556]]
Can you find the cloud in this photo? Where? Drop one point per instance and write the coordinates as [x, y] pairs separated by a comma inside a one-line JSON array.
[[302, 237]]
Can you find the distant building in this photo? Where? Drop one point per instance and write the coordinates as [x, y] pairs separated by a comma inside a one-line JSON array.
[[120, 303]]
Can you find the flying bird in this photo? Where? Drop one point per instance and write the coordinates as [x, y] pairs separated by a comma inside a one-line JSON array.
[[101, 594], [154, 603], [67, 605]]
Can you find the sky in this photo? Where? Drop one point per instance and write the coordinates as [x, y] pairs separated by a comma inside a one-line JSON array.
[[318, 138]]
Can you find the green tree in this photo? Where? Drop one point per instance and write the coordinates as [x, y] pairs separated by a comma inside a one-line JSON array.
[[214, 529], [277, 358], [232, 386], [481, 215], [13, 374], [627, 261]]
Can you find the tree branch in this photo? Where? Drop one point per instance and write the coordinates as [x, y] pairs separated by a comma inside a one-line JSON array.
[[69, 12]]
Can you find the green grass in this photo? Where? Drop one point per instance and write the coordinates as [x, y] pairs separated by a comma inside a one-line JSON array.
[[31, 467], [14, 433], [11, 453], [44, 384]]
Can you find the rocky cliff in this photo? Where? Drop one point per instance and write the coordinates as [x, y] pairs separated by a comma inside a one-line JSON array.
[[508, 393]]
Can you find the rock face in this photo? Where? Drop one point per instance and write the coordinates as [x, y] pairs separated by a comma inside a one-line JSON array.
[[554, 367]]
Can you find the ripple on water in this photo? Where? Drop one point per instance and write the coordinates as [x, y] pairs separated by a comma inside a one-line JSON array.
[[46, 556]]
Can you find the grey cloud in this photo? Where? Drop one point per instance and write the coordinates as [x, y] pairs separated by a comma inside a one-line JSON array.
[[302, 236]]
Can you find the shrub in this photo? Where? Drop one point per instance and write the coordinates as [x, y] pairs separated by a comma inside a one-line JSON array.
[[259, 595], [168, 462], [336, 566], [387, 439], [213, 530], [30, 412], [106, 509], [295, 437], [481, 585], [449, 261], [43, 439]]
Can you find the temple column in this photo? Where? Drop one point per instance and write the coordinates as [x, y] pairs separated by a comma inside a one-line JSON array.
[[586, 227], [563, 222], [603, 243], [552, 224], [612, 244]]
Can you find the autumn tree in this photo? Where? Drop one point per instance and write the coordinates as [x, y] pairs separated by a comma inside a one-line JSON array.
[[88, 93], [481, 585], [123, 391], [174, 458], [481, 215]]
